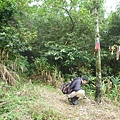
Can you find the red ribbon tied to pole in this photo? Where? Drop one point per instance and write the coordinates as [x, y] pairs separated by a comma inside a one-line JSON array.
[[97, 46]]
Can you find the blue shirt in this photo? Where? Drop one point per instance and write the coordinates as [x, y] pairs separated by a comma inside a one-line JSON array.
[[76, 84]]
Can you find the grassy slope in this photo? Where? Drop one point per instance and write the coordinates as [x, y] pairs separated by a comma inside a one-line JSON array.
[[38, 102]]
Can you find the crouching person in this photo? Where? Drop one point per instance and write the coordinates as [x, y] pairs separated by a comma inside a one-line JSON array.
[[75, 90]]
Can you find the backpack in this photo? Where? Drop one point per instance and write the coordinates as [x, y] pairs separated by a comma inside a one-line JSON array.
[[65, 88]]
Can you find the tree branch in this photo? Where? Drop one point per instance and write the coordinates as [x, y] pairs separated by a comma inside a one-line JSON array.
[[68, 12]]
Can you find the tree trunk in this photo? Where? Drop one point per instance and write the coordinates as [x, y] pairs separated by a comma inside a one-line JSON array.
[[98, 58]]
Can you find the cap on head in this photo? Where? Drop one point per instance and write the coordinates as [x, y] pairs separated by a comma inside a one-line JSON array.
[[84, 78]]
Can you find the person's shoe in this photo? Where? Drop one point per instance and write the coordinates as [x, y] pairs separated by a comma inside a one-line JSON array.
[[76, 98], [72, 101], [69, 99]]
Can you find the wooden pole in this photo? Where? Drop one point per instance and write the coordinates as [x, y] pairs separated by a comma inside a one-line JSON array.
[[98, 91]]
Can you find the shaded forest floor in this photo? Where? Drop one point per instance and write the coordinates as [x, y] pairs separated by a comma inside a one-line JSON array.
[[40, 102]]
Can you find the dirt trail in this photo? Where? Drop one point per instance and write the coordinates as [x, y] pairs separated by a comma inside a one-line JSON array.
[[85, 110]]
